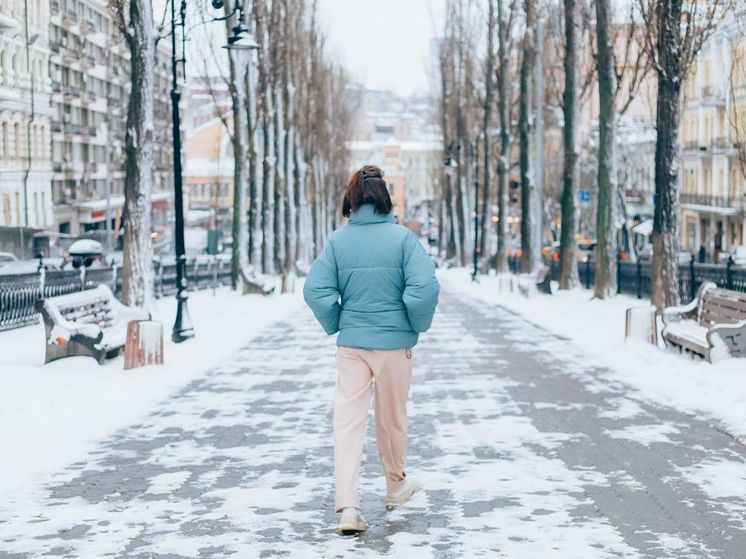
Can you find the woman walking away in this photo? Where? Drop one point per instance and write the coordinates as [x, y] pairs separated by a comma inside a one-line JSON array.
[[375, 285]]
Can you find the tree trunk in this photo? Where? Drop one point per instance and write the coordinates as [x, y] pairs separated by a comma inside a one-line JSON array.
[[486, 124], [503, 165], [254, 225], [605, 280], [524, 130], [665, 284], [137, 267], [568, 258], [236, 87]]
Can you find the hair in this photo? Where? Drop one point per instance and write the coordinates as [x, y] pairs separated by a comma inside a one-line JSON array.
[[366, 186]]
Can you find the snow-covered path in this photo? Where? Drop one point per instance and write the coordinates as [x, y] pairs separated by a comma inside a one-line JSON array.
[[521, 448]]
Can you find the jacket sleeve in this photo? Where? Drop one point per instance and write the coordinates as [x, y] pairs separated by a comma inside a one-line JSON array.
[[321, 290], [421, 288]]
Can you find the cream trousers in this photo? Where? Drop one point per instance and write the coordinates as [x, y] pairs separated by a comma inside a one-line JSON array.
[[358, 370]]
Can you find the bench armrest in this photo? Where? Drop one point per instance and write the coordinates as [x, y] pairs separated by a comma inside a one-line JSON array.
[[125, 313], [680, 312], [58, 326], [730, 337]]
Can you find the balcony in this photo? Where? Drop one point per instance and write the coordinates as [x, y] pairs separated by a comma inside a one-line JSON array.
[[71, 92], [721, 144], [713, 95], [87, 27], [87, 96], [705, 200], [70, 17]]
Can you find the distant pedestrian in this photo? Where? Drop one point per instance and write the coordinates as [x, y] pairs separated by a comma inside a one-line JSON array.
[[702, 254], [375, 284]]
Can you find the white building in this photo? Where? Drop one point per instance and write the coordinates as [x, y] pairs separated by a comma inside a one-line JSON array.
[[25, 163]]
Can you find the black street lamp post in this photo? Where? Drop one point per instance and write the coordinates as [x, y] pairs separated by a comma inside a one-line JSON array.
[[240, 40], [183, 328], [474, 150]]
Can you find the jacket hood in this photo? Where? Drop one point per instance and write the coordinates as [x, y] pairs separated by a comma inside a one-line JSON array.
[[366, 214]]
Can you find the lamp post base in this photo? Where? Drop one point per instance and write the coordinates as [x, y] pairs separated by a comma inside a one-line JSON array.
[[183, 329]]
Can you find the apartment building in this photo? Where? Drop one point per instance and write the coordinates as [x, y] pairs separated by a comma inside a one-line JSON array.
[[89, 68], [712, 184], [25, 167]]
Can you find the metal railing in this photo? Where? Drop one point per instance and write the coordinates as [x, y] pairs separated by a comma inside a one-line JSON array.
[[704, 200], [19, 292], [633, 278]]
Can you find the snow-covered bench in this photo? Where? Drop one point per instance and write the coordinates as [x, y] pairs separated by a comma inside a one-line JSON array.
[[90, 322], [539, 280], [713, 325]]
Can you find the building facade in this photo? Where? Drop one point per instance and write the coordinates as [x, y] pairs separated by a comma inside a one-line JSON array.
[[712, 183], [398, 135], [25, 165], [89, 68]]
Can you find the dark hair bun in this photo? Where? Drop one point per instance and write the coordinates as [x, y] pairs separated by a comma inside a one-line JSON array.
[[371, 171]]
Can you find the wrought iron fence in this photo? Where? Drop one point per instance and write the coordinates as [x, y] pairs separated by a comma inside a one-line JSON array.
[[19, 292], [633, 278]]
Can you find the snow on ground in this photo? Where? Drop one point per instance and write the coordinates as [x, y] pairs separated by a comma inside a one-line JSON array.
[[597, 327], [50, 414]]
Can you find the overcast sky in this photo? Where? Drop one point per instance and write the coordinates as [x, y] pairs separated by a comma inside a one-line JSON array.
[[385, 44]]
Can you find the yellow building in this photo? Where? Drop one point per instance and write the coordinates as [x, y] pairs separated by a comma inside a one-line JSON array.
[[713, 124]]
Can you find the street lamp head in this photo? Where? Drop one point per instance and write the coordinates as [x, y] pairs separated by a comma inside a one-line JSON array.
[[241, 40]]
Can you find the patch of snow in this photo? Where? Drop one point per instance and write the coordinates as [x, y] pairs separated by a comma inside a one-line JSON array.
[[645, 434], [596, 328], [51, 414]]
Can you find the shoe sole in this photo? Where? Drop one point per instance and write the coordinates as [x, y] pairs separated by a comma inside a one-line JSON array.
[[352, 528], [400, 499]]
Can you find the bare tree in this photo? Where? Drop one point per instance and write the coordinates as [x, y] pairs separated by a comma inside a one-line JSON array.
[[524, 130], [504, 103], [568, 259], [605, 283], [134, 18], [487, 106], [675, 33]]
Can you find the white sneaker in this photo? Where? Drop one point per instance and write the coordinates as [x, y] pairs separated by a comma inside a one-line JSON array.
[[352, 521], [401, 496]]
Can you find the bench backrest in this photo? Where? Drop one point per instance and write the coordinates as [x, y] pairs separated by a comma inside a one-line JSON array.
[[92, 306], [721, 306]]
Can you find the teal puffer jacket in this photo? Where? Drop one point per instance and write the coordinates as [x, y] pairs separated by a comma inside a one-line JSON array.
[[374, 283]]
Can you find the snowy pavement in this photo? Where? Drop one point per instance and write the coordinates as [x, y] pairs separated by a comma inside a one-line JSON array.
[[521, 447]]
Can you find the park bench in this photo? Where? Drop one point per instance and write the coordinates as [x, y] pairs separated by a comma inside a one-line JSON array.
[[713, 325], [539, 280], [90, 322]]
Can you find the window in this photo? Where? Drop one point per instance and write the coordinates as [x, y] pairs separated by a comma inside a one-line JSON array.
[[16, 140], [6, 209]]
